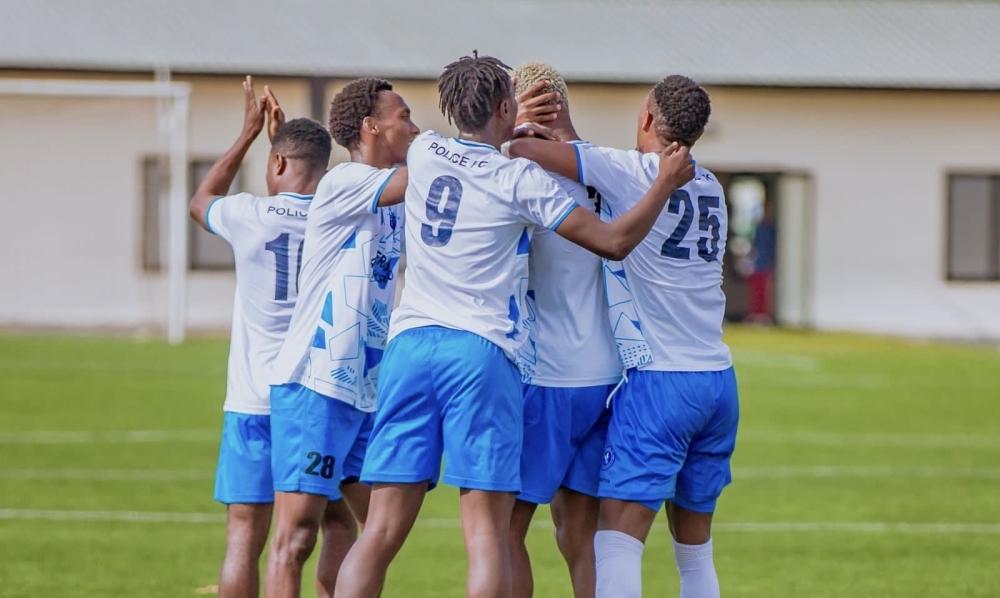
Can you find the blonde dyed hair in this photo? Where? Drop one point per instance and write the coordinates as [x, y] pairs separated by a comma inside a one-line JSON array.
[[531, 73]]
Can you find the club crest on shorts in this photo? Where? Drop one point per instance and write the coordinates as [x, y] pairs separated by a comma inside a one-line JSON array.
[[609, 458]]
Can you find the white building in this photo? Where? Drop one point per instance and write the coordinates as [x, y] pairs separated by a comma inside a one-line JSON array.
[[873, 125]]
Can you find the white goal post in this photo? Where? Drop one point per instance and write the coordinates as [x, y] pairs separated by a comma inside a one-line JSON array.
[[179, 95]]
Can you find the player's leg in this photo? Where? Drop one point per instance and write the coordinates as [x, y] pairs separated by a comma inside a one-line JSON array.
[[575, 518], [344, 518], [391, 514], [243, 483], [246, 534], [403, 460], [312, 435], [654, 419], [575, 508], [340, 530], [545, 456], [700, 482], [485, 529], [482, 424], [522, 580]]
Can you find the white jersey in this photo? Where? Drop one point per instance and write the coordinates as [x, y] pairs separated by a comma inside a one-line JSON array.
[[675, 274], [266, 235], [470, 214], [570, 343], [347, 285]]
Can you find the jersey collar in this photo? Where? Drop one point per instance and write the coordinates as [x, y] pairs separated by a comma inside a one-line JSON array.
[[475, 144], [296, 196]]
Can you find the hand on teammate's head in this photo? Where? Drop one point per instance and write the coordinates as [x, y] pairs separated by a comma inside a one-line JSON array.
[[253, 111], [676, 165], [532, 129], [275, 115], [540, 108]]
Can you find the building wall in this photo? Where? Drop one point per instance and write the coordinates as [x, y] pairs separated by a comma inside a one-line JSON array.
[[71, 229], [72, 205]]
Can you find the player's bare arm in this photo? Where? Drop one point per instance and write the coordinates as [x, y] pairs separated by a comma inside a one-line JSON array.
[[395, 189], [616, 239], [554, 156], [222, 174]]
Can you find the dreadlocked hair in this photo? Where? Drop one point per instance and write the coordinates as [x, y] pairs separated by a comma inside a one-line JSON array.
[[682, 109], [350, 107], [471, 88]]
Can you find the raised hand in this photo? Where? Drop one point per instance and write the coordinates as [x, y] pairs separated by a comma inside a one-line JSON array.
[[275, 115], [253, 112]]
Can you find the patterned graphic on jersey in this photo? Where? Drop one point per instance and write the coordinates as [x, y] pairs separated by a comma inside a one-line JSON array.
[[632, 346], [339, 331]]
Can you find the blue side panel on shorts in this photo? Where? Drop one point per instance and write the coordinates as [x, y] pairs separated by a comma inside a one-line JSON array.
[[311, 436], [564, 436], [672, 437], [356, 456], [462, 401], [243, 475]]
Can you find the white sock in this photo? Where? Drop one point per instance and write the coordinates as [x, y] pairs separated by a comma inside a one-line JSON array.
[[694, 563], [619, 565]]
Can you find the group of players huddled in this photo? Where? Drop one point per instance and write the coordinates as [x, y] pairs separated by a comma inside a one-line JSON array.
[[558, 338]]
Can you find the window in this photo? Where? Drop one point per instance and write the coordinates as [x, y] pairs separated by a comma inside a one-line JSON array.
[[973, 227], [205, 250]]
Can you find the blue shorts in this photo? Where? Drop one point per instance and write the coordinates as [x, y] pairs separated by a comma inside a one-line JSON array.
[[356, 456], [243, 476], [671, 437], [452, 393], [314, 439], [564, 435]]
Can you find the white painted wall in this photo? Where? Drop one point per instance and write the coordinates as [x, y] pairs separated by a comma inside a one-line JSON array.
[[71, 196]]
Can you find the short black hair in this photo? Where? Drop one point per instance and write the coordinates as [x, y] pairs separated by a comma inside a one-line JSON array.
[[350, 107], [682, 109], [471, 88], [306, 140]]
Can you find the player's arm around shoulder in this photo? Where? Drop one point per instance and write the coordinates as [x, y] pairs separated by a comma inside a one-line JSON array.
[[615, 240], [554, 156], [394, 191]]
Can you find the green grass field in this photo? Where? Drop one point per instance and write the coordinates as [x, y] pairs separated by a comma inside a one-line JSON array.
[[864, 467]]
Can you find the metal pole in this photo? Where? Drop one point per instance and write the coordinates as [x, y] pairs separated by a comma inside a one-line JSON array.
[[177, 267]]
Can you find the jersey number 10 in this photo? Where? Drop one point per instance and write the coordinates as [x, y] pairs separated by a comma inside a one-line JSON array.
[[279, 246]]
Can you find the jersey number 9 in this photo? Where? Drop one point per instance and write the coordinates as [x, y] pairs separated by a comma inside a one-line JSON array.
[[445, 216]]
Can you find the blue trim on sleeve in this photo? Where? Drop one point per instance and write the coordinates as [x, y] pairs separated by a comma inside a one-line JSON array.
[[564, 215], [296, 195], [208, 223], [579, 163], [378, 194]]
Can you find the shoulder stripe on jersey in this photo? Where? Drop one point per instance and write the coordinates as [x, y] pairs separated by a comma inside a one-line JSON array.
[[579, 163], [564, 215], [296, 196], [378, 194], [208, 223]]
